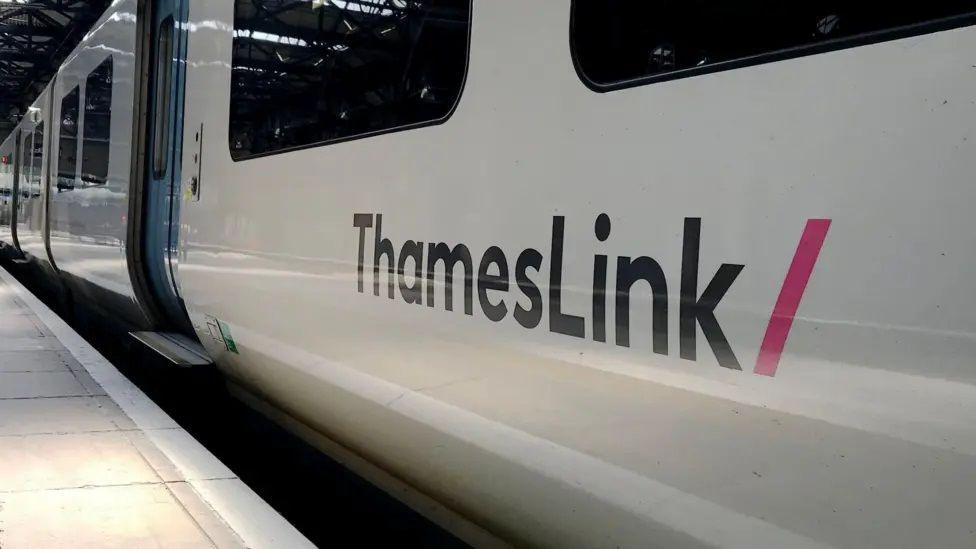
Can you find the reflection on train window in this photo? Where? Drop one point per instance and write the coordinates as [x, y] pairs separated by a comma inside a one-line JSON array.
[[26, 153], [622, 42], [308, 73], [8, 163], [37, 161], [68, 145], [162, 93], [98, 124]]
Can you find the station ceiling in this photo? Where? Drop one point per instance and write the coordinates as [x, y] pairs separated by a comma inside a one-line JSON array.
[[35, 37]]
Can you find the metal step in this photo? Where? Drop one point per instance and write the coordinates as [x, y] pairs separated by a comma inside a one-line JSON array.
[[177, 348]]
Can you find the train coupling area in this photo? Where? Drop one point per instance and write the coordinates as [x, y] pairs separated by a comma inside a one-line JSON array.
[[88, 460]]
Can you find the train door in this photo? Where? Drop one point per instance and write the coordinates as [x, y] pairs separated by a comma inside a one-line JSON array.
[[22, 193], [10, 166], [164, 142], [28, 198]]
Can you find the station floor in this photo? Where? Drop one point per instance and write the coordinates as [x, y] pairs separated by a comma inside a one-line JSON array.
[[87, 460]]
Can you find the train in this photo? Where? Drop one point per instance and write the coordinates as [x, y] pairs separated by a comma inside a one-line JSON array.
[[566, 273]]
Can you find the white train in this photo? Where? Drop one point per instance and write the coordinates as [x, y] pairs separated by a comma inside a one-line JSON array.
[[558, 273]]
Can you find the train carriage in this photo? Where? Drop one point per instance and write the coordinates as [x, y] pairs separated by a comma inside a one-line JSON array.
[[571, 274]]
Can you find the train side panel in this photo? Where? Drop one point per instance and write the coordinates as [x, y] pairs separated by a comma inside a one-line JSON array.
[[89, 206], [767, 341]]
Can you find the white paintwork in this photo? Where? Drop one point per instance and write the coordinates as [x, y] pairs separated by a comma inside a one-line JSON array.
[[85, 228], [88, 224], [863, 438], [73, 453]]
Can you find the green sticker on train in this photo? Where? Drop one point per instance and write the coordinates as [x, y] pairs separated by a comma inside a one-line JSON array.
[[224, 333], [228, 339]]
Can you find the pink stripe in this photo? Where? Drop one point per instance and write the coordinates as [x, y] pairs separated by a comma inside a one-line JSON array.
[[790, 295]]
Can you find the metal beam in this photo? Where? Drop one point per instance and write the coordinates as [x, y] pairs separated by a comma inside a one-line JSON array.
[[35, 37]]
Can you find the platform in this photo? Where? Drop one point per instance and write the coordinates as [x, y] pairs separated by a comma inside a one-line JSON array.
[[87, 460]]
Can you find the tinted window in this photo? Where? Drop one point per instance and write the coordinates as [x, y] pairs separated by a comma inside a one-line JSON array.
[[26, 153], [9, 167], [37, 160], [33, 162], [98, 124], [313, 72], [68, 146], [615, 41], [162, 96]]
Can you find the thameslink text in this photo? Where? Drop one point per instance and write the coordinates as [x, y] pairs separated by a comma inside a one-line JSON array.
[[694, 309]]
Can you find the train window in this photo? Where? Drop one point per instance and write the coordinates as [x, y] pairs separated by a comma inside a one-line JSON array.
[[311, 73], [26, 153], [68, 144], [620, 43], [9, 167], [37, 160], [98, 125], [163, 94]]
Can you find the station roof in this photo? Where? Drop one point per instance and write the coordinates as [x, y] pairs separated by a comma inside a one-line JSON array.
[[35, 37]]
